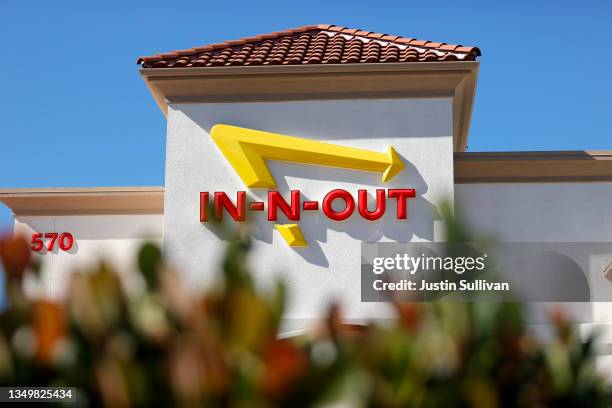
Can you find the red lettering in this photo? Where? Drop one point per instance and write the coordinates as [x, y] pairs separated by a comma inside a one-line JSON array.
[[338, 215], [256, 206], [204, 207], [237, 212], [310, 205], [362, 199], [402, 194], [292, 209], [276, 201]]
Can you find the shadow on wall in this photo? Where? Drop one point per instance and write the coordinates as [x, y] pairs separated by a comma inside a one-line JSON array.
[[315, 225]]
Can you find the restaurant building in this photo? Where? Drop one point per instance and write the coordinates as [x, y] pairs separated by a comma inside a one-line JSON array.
[[285, 129]]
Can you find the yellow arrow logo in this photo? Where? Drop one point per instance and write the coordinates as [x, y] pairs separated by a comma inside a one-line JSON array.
[[247, 151]]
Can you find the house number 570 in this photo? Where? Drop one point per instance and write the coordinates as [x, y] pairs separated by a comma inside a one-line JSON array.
[[64, 241]]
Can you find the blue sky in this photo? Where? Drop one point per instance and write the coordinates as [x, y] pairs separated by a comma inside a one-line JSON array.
[[74, 111]]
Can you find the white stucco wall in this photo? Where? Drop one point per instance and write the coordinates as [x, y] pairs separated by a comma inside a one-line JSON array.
[[549, 212], [114, 238], [419, 129], [539, 212], [543, 212]]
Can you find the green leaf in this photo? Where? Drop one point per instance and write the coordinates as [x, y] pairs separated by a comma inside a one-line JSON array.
[[149, 259]]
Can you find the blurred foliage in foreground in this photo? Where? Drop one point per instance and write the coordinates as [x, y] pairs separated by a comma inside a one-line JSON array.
[[170, 347]]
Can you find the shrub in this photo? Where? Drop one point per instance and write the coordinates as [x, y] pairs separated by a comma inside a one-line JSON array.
[[169, 346]]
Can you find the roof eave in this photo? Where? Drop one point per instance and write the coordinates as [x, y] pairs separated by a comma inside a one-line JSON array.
[[456, 79], [84, 201]]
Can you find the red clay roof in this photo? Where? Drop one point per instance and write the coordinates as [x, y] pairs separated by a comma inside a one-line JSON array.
[[317, 44]]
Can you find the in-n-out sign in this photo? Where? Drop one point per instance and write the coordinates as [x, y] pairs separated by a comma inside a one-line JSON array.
[[247, 151], [291, 209]]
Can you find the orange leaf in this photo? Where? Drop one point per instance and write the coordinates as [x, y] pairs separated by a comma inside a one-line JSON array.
[[15, 254], [49, 326], [285, 364]]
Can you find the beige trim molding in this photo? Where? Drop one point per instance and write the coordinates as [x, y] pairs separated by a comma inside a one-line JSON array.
[[309, 82], [532, 167], [77, 201]]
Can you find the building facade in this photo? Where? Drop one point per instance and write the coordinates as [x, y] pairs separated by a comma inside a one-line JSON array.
[[285, 129]]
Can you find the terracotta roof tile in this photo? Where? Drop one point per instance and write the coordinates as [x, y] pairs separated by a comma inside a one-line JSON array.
[[448, 47], [419, 42], [315, 44], [390, 37]]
